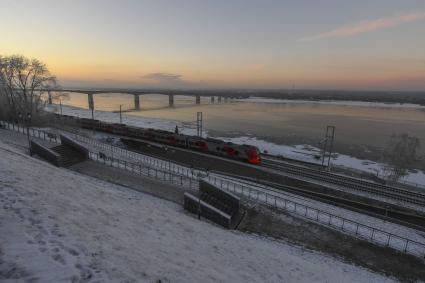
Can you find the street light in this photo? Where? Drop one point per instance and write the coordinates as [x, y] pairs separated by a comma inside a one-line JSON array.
[[28, 131], [20, 120]]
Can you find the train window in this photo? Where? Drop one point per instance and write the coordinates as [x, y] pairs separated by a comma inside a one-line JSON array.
[[217, 148]]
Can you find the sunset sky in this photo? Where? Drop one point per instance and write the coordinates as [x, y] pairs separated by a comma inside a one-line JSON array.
[[325, 44]]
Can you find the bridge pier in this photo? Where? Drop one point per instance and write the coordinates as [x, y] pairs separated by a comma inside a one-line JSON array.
[[171, 100], [198, 99], [212, 99], [91, 101], [136, 102]]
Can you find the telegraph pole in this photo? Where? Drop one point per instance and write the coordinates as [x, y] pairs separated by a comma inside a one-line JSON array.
[[120, 114], [199, 124], [328, 145], [92, 119]]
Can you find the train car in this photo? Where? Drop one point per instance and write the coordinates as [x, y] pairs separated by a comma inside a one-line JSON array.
[[197, 143], [252, 154], [235, 151], [246, 153], [135, 132], [89, 123], [106, 127], [119, 129]]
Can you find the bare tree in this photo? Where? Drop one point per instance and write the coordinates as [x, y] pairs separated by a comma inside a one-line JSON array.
[[23, 82], [399, 155]]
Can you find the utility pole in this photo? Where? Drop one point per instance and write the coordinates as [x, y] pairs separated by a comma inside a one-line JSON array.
[[120, 114], [328, 145], [61, 117], [92, 119], [199, 124]]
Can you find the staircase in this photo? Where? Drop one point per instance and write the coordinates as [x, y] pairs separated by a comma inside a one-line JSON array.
[[69, 156], [217, 203]]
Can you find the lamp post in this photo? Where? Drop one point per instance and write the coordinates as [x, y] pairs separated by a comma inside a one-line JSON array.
[[28, 131], [20, 120]]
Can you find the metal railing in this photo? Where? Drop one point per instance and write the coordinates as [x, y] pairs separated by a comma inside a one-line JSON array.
[[114, 151], [412, 184], [36, 133], [153, 169], [248, 192], [374, 235], [191, 182], [398, 183], [109, 150]]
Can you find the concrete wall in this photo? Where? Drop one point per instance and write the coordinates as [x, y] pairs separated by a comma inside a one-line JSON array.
[[228, 198], [46, 153], [192, 204], [75, 145]]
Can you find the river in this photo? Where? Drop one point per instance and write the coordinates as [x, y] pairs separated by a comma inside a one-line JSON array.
[[362, 129]]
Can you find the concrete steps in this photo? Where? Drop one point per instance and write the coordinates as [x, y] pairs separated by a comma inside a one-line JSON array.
[[216, 202], [68, 154]]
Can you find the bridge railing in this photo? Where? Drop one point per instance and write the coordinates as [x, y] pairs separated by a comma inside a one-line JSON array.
[[252, 193]]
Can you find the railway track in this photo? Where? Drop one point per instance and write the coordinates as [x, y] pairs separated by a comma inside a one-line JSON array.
[[399, 217], [398, 194]]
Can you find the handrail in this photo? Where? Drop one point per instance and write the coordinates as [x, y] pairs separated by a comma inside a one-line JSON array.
[[185, 177], [348, 226], [152, 172], [357, 229]]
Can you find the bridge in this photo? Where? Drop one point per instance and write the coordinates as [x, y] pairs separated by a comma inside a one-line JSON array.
[[137, 93]]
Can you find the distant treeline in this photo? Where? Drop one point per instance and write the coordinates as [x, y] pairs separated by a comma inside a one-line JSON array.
[[368, 96]]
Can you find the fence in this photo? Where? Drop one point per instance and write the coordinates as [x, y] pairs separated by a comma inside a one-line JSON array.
[[178, 177], [151, 172], [412, 184], [109, 149], [134, 156], [351, 227], [398, 183], [32, 132], [359, 230]]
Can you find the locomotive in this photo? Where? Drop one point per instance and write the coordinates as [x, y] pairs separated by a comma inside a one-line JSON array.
[[246, 153]]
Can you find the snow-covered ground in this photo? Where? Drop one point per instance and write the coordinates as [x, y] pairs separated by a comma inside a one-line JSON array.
[[58, 226], [300, 152]]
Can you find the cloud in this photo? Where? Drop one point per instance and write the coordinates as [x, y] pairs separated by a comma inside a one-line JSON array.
[[368, 26], [164, 78]]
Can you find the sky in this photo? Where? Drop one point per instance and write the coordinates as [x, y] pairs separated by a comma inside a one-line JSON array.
[[314, 44]]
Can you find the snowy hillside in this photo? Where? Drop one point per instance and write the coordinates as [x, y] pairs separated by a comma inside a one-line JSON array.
[[57, 225]]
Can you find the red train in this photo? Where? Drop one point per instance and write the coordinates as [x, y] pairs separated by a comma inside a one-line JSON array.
[[247, 153]]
